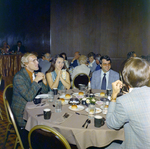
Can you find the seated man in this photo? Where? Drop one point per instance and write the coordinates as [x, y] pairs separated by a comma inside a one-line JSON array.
[[19, 48], [92, 63], [103, 78], [132, 109], [26, 85], [44, 63], [75, 61], [82, 68], [97, 59]]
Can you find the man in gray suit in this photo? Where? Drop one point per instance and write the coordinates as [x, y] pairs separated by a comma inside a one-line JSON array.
[[132, 110], [103, 78], [44, 63]]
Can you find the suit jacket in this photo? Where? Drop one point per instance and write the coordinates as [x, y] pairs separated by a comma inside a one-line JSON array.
[[93, 67], [132, 111], [24, 91], [80, 69], [96, 79], [75, 63], [44, 65], [15, 49]]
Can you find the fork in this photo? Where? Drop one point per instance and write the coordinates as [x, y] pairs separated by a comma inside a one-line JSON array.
[[65, 115]]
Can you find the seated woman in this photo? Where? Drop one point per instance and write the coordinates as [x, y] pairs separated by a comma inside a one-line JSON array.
[[54, 74], [65, 59], [5, 48], [92, 63], [82, 68]]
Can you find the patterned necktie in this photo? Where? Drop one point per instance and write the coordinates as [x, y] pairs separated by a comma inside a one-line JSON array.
[[103, 87]]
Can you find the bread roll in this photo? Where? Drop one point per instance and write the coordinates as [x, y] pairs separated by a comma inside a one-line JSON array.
[[81, 93], [102, 94], [74, 107], [67, 96], [62, 100]]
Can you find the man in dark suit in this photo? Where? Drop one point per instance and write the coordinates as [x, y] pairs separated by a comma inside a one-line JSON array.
[[103, 78], [26, 85], [19, 48], [75, 61]]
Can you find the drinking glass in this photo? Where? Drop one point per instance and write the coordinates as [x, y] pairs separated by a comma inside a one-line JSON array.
[[63, 90], [50, 96], [91, 111], [58, 106]]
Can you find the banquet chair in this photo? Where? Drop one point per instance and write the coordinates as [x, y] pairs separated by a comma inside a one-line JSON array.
[[42, 136], [7, 95], [80, 78], [12, 119]]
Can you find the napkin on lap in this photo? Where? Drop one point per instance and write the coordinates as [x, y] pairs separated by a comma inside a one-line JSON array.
[[37, 106]]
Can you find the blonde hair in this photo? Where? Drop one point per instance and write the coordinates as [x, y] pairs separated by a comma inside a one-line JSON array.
[[25, 59], [82, 59]]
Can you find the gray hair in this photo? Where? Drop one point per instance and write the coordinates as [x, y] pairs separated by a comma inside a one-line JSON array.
[[82, 59], [25, 59]]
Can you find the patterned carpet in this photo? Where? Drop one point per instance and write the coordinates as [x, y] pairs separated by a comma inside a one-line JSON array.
[[3, 124]]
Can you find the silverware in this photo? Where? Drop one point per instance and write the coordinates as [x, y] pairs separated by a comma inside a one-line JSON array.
[[85, 122], [81, 114], [66, 115], [39, 114], [89, 121]]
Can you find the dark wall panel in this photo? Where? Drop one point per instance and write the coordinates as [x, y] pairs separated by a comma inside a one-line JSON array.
[[28, 21], [112, 27]]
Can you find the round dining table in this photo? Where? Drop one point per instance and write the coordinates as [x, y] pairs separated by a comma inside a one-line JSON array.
[[71, 127]]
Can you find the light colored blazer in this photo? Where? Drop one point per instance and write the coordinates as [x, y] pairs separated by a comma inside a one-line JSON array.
[[80, 69], [132, 111], [96, 79]]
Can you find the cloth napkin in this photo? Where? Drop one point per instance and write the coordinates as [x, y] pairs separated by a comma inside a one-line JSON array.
[[61, 119]]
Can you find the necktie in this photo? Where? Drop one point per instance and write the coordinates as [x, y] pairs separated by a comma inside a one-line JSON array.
[[103, 87]]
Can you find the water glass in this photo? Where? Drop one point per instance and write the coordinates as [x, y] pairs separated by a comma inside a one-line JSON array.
[[63, 90], [58, 106], [50, 96], [91, 111]]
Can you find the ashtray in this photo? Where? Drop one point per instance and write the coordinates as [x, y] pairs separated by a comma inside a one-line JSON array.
[[74, 101]]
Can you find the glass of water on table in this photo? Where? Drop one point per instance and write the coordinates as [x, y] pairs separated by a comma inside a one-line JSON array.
[[50, 96]]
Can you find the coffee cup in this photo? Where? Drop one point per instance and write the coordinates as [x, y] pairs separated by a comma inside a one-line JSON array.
[[55, 90], [84, 101], [37, 100], [47, 114], [98, 121]]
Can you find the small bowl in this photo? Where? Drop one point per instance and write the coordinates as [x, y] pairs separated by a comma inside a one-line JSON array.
[[74, 101], [37, 100]]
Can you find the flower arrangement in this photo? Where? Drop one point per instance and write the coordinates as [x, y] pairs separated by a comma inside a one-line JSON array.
[[91, 100]]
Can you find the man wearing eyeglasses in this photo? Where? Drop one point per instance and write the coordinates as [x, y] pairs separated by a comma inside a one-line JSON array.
[[103, 78]]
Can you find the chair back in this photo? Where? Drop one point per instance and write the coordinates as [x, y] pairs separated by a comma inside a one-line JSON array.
[[7, 95], [42, 136], [13, 122], [80, 78]]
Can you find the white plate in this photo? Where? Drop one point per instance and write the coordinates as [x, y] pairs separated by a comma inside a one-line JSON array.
[[97, 94], [79, 108], [63, 96], [77, 94], [65, 103], [99, 102], [98, 110], [42, 96]]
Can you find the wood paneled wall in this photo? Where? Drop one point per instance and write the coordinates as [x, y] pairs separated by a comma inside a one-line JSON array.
[[111, 27]]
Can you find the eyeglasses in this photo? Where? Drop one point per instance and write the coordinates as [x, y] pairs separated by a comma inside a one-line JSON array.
[[105, 64]]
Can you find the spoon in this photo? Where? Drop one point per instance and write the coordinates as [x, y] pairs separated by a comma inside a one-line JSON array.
[[89, 121], [85, 122]]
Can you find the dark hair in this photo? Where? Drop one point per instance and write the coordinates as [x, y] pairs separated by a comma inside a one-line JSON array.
[[52, 67], [130, 54], [136, 72], [107, 58], [97, 57], [61, 54], [91, 54], [19, 42]]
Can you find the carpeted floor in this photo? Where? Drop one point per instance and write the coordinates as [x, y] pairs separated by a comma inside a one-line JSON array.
[[3, 124]]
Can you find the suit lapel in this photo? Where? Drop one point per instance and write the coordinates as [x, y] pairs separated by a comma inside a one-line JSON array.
[[26, 76]]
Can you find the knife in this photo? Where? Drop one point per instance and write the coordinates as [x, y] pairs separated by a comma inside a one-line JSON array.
[[85, 122], [39, 114]]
